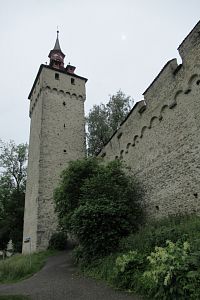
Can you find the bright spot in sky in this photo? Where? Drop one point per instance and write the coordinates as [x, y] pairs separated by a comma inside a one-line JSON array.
[[123, 37]]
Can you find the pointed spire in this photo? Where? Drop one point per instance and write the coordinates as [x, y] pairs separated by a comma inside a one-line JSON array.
[[57, 44], [56, 55]]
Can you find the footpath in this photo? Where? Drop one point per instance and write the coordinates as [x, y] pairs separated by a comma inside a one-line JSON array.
[[59, 280]]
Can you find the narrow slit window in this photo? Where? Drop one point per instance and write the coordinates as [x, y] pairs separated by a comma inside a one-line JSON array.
[[64, 103], [56, 76], [72, 81]]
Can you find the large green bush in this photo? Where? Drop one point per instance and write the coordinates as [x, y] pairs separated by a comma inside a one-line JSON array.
[[68, 194], [98, 204]]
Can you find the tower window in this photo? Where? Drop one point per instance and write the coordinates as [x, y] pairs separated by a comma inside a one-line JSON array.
[[64, 151], [64, 103], [72, 81], [56, 76]]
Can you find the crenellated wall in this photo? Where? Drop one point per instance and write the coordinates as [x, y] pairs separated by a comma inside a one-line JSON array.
[[160, 138]]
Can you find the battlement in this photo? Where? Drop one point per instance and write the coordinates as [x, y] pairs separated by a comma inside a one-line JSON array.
[[190, 44], [159, 139]]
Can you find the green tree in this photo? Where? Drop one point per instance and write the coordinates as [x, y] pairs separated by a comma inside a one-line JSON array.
[[103, 120], [98, 130], [5, 193], [13, 161], [118, 108], [98, 204]]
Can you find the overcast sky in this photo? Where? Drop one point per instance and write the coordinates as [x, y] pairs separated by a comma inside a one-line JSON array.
[[116, 44]]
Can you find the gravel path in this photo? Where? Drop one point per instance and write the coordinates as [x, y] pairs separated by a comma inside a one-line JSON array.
[[58, 280]]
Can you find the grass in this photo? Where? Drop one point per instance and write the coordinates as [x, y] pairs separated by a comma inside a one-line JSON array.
[[18, 267], [102, 268], [14, 297]]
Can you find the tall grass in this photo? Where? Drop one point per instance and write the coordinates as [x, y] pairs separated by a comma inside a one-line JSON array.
[[18, 266], [101, 268]]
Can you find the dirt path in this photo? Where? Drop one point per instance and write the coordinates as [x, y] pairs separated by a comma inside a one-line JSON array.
[[58, 280]]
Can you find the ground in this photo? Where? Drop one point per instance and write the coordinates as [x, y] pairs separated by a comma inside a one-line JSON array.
[[59, 280]]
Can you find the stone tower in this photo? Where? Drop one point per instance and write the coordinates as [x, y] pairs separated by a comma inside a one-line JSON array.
[[57, 136]]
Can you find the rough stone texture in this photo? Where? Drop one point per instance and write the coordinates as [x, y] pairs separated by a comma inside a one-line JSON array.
[[57, 135], [160, 139]]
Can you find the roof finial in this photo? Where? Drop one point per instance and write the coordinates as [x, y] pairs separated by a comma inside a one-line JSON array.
[[57, 31]]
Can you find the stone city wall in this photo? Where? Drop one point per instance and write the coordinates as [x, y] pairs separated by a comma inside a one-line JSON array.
[[160, 138]]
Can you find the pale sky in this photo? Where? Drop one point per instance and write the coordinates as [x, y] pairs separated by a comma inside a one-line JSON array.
[[116, 44]]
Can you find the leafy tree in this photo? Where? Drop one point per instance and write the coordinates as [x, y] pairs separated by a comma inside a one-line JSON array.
[[98, 130], [13, 160], [104, 120], [118, 108], [5, 194], [107, 205]]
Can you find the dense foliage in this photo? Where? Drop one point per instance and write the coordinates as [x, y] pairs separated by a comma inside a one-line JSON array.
[[174, 272], [13, 159], [104, 119], [162, 269], [58, 241], [98, 204]]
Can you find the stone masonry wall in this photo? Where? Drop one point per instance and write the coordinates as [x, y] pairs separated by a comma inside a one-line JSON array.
[[57, 136], [160, 139], [32, 186]]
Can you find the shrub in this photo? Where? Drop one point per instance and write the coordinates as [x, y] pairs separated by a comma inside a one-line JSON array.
[[129, 268], [174, 272], [106, 205], [67, 195], [99, 228], [58, 241]]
